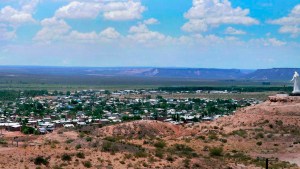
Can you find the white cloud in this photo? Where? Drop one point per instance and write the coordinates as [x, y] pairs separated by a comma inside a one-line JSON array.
[[12, 16], [110, 33], [289, 24], [128, 10], [267, 42], [140, 28], [29, 6], [276, 42], [52, 29], [6, 34], [233, 31], [82, 37], [109, 9], [141, 34], [56, 29], [151, 21], [205, 14], [76, 10]]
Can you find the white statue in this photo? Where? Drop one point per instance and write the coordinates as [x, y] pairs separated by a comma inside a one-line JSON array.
[[296, 81]]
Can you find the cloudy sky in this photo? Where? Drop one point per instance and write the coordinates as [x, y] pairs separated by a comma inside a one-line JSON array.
[[143, 33]]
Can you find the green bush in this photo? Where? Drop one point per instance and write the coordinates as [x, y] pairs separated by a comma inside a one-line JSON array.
[[216, 151], [81, 135], [109, 147], [69, 141], [201, 137], [66, 157], [3, 142], [170, 158], [112, 139], [240, 132], [159, 153], [223, 140], [160, 144], [182, 150], [141, 154], [40, 160], [28, 130], [213, 136], [80, 155], [259, 143], [259, 135], [186, 163], [87, 164], [78, 146], [88, 139]]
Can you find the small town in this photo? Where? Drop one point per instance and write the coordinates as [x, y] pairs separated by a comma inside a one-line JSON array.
[[41, 112]]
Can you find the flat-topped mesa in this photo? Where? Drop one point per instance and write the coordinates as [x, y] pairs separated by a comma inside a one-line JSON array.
[[284, 98]]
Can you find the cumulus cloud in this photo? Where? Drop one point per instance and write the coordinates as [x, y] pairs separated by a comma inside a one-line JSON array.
[[140, 33], [128, 10], [78, 10], [289, 24], [29, 6], [151, 21], [110, 10], [275, 42], [107, 34], [110, 33], [12, 16], [56, 29], [233, 31], [52, 29], [205, 14], [268, 42], [6, 34]]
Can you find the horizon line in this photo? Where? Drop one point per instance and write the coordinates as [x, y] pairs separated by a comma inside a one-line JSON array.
[[162, 67]]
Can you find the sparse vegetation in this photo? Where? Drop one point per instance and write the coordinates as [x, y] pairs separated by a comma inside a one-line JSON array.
[[141, 154], [160, 144], [109, 147], [216, 151], [170, 158], [80, 155], [78, 146], [68, 141], [159, 153], [89, 139], [182, 150], [66, 157], [3, 142], [87, 164], [40, 160], [259, 135], [259, 143], [240, 132]]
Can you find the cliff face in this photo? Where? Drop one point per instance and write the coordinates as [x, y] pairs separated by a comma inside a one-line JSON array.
[[277, 74]]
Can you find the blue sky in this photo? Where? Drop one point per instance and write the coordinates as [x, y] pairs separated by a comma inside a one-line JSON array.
[[150, 33]]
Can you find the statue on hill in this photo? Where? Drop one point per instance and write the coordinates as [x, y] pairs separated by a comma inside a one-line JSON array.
[[296, 81]]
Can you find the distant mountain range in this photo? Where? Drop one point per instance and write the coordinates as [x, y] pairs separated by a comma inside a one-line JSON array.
[[275, 74]]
